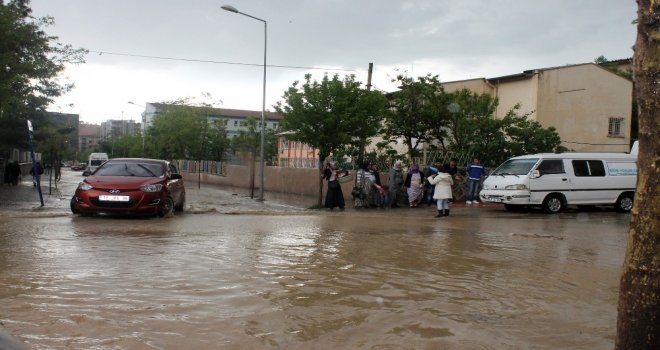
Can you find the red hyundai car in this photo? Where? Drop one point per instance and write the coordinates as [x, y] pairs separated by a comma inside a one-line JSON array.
[[131, 186]]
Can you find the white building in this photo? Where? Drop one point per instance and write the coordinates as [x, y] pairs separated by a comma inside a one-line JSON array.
[[234, 119]]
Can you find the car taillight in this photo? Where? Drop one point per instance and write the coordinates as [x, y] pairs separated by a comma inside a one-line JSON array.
[[84, 186], [151, 188]]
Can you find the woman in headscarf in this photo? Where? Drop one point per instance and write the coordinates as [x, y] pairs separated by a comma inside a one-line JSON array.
[[396, 183], [364, 180], [334, 196], [415, 184]]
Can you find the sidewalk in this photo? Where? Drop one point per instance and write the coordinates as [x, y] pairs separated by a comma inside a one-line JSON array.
[[25, 196]]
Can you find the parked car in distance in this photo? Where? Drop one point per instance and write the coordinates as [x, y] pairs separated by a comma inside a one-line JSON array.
[[131, 186], [78, 166]]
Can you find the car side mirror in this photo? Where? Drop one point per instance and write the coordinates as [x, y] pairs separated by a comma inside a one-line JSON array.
[[176, 177], [535, 174]]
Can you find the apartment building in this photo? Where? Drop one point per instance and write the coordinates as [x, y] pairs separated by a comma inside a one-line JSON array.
[[589, 105], [89, 136], [235, 120]]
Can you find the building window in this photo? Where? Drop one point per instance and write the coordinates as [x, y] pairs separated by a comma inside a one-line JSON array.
[[615, 127], [235, 122]]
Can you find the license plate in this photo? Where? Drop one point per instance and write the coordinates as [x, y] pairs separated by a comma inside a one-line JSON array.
[[114, 198], [496, 200]]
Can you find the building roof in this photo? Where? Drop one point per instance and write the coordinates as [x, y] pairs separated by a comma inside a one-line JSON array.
[[530, 73]]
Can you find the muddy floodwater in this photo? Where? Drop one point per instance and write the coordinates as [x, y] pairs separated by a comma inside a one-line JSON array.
[[383, 279]]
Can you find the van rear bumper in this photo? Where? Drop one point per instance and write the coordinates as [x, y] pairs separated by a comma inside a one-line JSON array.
[[507, 197]]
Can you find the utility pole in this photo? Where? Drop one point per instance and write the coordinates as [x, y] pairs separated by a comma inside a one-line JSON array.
[[362, 140]]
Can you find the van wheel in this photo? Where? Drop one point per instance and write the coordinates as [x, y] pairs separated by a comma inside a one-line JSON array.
[[553, 204], [625, 202]]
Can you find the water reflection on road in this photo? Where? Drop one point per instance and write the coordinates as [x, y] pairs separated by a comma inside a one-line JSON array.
[[481, 279]]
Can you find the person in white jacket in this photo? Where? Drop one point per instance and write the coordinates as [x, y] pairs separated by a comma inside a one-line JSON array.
[[442, 193]]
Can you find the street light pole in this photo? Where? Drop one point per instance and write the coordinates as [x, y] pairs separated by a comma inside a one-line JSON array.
[[263, 99]]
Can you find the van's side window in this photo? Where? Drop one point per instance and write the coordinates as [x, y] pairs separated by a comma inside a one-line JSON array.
[[551, 166], [588, 168]]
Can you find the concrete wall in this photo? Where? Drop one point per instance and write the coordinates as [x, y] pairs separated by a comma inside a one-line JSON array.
[[298, 181], [579, 100], [523, 92]]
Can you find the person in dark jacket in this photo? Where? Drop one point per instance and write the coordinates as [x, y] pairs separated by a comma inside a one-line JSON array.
[[475, 172], [334, 197], [37, 176]]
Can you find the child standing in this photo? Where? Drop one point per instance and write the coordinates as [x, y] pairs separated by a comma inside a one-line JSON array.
[[442, 193]]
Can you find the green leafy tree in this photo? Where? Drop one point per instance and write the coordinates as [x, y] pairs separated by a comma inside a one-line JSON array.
[[217, 142], [474, 130], [471, 115], [419, 112], [127, 146], [331, 114], [178, 133], [249, 141], [31, 61]]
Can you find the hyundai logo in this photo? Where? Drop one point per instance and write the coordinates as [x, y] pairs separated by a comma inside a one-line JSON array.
[[115, 191]]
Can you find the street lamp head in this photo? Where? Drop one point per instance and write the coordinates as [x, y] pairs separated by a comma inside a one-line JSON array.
[[229, 8]]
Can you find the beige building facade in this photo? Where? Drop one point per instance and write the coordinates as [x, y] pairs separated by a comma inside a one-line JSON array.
[[588, 105]]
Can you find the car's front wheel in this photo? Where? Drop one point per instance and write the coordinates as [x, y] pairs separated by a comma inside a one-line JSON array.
[[167, 208], [73, 207], [182, 203]]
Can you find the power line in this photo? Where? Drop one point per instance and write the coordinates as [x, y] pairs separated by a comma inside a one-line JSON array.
[[215, 62]]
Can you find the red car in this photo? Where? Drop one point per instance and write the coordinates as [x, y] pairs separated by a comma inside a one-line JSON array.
[[131, 186]]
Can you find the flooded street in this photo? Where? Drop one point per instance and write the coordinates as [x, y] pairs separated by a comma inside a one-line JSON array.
[[227, 278]]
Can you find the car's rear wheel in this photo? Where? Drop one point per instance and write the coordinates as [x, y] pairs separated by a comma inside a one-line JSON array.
[[553, 204], [167, 208]]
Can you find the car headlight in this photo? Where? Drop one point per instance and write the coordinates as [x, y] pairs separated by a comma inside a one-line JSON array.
[[151, 188], [84, 186], [516, 187]]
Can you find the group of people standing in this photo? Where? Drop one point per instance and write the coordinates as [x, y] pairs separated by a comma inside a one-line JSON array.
[[415, 186], [12, 173]]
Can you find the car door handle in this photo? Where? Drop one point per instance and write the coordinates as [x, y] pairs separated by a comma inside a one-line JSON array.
[[564, 179]]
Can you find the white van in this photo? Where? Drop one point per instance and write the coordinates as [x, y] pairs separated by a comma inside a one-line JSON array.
[[95, 160], [554, 181]]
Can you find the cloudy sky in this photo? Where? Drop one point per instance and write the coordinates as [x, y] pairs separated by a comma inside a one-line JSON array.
[[455, 39]]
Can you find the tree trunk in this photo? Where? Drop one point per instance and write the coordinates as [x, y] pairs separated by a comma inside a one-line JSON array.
[[253, 160], [321, 187], [638, 325]]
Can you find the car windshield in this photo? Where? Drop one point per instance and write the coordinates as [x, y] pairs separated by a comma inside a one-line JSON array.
[[516, 167], [130, 169], [96, 162]]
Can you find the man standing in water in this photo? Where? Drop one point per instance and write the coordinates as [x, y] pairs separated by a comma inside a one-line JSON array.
[[475, 172]]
